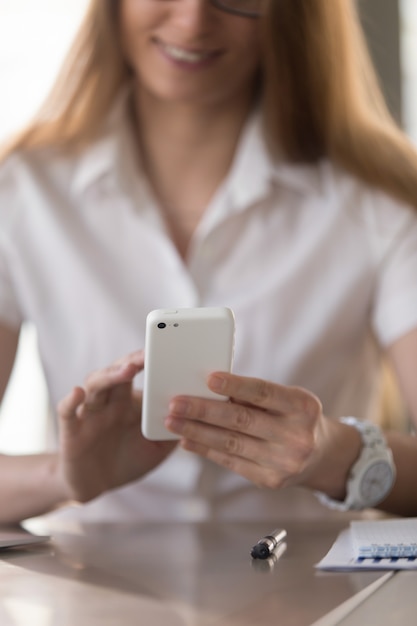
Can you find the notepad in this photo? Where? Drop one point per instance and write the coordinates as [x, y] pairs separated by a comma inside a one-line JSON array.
[[383, 544], [390, 538]]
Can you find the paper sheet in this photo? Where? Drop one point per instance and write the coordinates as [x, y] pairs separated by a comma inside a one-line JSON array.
[[386, 537], [342, 557]]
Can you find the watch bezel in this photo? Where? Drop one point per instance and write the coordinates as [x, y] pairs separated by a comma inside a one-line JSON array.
[[375, 450], [356, 482]]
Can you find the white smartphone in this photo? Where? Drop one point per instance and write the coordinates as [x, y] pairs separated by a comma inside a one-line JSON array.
[[182, 347]]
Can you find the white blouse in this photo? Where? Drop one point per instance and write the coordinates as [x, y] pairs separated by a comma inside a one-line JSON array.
[[320, 270]]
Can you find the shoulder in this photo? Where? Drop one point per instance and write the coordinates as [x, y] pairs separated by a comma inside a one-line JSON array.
[[32, 182], [34, 174], [11, 173], [376, 220], [368, 206], [23, 168]]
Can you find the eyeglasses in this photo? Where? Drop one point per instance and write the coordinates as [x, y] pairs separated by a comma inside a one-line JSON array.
[[245, 8]]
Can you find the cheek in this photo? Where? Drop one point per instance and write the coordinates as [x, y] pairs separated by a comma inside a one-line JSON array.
[[127, 24], [247, 44], [247, 53], [135, 20]]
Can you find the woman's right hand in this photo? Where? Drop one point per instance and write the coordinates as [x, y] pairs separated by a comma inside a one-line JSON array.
[[101, 443]]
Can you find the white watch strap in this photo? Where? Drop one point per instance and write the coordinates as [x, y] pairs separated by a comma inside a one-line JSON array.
[[373, 443]]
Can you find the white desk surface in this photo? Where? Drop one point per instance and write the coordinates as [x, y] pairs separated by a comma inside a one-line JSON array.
[[179, 575], [394, 604]]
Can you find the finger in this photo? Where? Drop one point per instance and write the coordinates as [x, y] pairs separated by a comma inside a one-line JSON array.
[[242, 418], [289, 453], [68, 407], [264, 394], [113, 380], [260, 476], [137, 358], [122, 370], [227, 441]]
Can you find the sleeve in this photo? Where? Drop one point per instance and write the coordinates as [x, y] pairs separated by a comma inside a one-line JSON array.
[[9, 308], [395, 298]]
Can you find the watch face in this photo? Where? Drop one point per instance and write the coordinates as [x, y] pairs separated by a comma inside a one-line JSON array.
[[376, 482]]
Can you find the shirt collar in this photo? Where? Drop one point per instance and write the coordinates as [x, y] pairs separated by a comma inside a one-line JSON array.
[[255, 170], [251, 175], [108, 155]]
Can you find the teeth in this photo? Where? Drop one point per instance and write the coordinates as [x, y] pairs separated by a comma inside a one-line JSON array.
[[184, 55]]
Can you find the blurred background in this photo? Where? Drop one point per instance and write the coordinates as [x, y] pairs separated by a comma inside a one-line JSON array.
[[34, 36]]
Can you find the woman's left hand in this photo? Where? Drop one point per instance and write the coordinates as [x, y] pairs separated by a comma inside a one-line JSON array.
[[268, 433], [101, 443]]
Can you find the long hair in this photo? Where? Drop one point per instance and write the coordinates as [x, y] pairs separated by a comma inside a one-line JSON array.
[[319, 92], [322, 97]]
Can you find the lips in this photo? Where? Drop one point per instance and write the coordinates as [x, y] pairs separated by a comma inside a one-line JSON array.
[[183, 55]]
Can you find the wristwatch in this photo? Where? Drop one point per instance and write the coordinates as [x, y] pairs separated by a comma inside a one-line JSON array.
[[372, 476]]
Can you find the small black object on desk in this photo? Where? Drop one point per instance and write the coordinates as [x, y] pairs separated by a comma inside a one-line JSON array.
[[265, 546]]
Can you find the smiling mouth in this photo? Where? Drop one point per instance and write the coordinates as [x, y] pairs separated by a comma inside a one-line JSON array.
[[186, 56]]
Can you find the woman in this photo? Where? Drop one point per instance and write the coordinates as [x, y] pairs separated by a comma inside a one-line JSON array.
[[201, 153]]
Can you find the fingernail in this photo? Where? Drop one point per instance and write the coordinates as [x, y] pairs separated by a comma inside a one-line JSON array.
[[179, 407], [120, 367], [174, 425], [217, 382]]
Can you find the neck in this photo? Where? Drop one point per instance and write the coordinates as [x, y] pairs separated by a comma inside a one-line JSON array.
[[186, 152], [187, 127]]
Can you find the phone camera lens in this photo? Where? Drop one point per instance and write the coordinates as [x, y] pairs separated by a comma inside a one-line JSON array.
[[161, 325]]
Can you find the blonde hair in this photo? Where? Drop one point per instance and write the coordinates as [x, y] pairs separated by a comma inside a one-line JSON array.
[[322, 97], [319, 92]]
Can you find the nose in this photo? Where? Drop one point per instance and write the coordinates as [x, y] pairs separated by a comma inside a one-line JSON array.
[[194, 16]]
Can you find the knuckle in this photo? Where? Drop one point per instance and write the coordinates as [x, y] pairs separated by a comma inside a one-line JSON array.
[[305, 446], [314, 407], [233, 444], [296, 463], [295, 467], [198, 409], [302, 451], [66, 405], [310, 404], [92, 383], [226, 461], [243, 418], [188, 430], [261, 391]]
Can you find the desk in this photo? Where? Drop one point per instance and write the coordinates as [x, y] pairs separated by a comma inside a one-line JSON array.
[[394, 603], [173, 575]]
